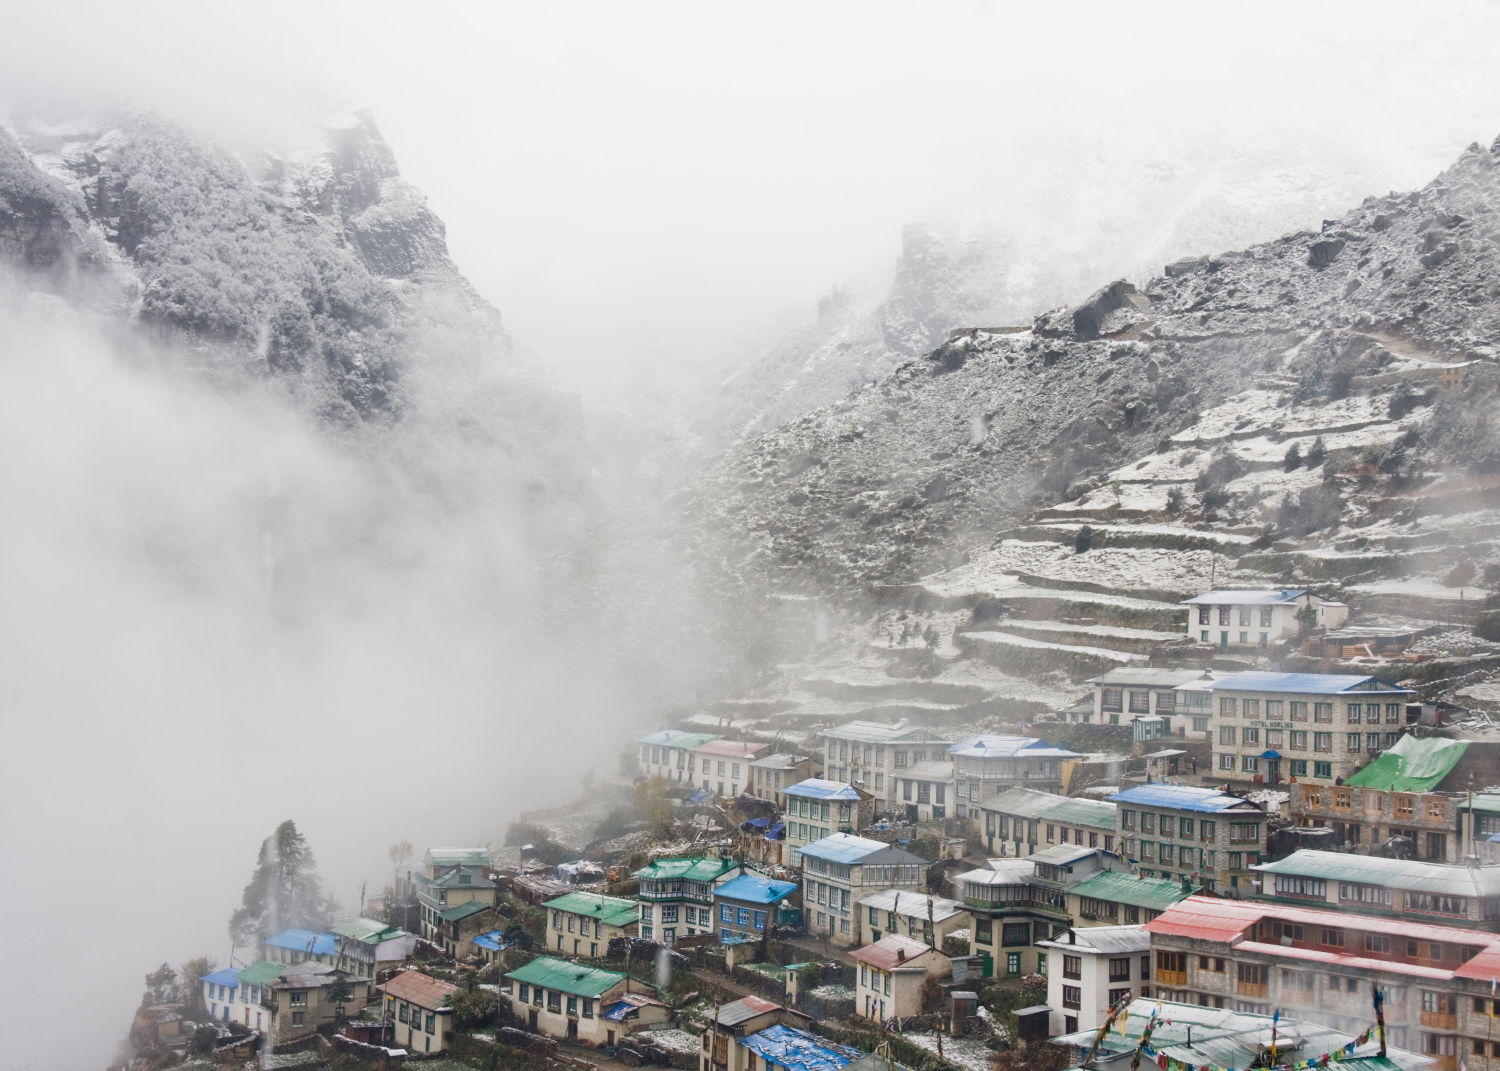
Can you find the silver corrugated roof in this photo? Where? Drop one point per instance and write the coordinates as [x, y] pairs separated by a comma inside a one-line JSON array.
[[1411, 875], [1107, 939]]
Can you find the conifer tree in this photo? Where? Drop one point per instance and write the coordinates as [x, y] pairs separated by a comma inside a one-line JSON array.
[[284, 892]]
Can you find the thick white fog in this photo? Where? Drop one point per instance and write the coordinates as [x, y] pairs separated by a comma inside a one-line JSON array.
[[216, 615]]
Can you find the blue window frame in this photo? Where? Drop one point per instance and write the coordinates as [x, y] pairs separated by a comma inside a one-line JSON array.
[[726, 913], [744, 916], [760, 920]]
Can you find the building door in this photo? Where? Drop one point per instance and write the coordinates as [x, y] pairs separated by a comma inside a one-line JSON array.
[[669, 936], [609, 1037], [1224, 639], [531, 1020], [987, 964], [573, 1029], [911, 813], [1437, 847], [1273, 771]]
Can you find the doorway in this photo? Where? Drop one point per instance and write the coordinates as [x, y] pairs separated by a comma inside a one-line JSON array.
[[531, 1020], [572, 1029]]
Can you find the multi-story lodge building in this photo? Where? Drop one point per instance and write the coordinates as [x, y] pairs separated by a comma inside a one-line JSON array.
[[839, 870], [669, 754], [1018, 902], [676, 896], [724, 765], [1021, 821], [1415, 791], [772, 775], [927, 790], [1312, 726], [1092, 970], [818, 808], [911, 913], [1184, 831], [1231, 619], [1122, 694], [1391, 888], [1253, 956], [871, 754], [582, 923], [451, 878], [987, 765]]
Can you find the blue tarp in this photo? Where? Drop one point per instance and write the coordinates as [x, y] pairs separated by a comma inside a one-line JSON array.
[[703, 795], [494, 941], [228, 977], [314, 944], [798, 1050], [817, 788]]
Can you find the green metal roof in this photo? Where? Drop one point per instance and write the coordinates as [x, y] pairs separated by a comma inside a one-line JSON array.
[[367, 931], [1483, 802], [1031, 803], [611, 910], [1117, 888], [1413, 875], [260, 973], [689, 869], [1411, 765], [565, 977], [463, 911]]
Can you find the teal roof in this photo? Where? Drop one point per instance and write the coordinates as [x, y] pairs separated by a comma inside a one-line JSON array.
[[367, 931], [1411, 765], [610, 910], [1116, 888], [1081, 812], [688, 869], [1483, 802], [463, 911], [565, 977], [260, 973]]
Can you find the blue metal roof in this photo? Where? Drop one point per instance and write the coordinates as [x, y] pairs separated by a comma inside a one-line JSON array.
[[225, 977], [315, 944], [1247, 598], [1311, 683], [990, 746], [1178, 797], [754, 889], [799, 1050], [818, 789]]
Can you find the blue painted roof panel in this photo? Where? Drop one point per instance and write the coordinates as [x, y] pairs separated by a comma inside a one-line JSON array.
[[844, 848], [225, 977], [754, 889], [815, 788], [1311, 683], [1178, 797]]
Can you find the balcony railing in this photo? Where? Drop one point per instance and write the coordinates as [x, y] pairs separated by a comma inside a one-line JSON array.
[[681, 894], [1439, 1021], [1171, 977], [1250, 989]]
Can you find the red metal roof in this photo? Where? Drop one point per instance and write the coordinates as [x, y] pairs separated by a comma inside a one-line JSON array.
[[1485, 965], [737, 749], [1343, 959], [1210, 919], [417, 988], [893, 953]]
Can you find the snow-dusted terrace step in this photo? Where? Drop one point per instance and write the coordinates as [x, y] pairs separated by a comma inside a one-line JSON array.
[[1113, 637], [1028, 657], [1169, 536]]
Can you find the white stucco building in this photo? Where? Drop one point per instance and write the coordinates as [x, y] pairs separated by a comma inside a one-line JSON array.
[[1090, 969]]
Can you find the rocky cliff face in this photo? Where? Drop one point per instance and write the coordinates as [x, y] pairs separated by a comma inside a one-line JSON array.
[[322, 276]]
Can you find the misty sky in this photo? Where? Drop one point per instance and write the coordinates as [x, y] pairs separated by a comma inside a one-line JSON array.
[[632, 185]]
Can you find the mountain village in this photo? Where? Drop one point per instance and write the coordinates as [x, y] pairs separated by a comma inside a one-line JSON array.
[[1262, 835]]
